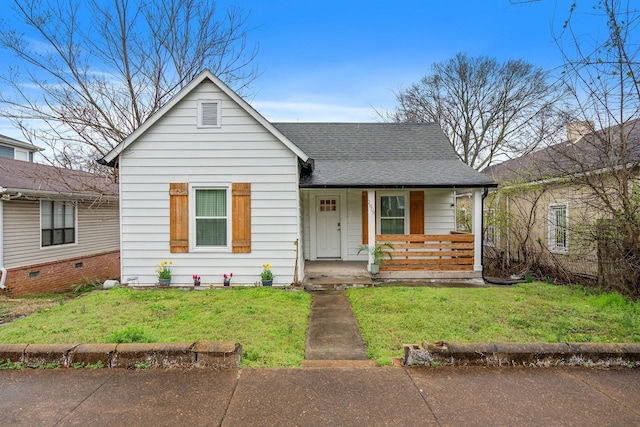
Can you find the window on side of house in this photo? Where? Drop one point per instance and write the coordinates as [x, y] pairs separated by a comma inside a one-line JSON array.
[[58, 223], [558, 227], [392, 214], [7, 152], [209, 113], [490, 235], [211, 217]]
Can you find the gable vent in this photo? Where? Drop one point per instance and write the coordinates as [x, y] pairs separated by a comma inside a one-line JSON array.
[[209, 114]]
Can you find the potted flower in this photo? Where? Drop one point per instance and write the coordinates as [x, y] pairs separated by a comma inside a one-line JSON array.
[[266, 275], [196, 280], [227, 279], [164, 272], [378, 254]]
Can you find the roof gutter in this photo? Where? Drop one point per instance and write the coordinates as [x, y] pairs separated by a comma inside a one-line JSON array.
[[454, 186]]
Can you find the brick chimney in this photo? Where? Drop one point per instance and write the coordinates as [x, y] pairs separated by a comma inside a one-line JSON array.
[[576, 130]]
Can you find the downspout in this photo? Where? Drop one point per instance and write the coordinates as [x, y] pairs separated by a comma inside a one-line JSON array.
[[485, 192], [2, 269]]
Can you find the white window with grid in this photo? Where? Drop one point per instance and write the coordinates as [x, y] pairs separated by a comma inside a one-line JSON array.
[[559, 228], [211, 217]]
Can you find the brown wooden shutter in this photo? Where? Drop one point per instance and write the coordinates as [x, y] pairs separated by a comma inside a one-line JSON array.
[[416, 212], [179, 217], [365, 218], [241, 217]]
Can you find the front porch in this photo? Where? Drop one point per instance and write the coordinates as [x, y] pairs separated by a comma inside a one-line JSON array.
[[329, 275]]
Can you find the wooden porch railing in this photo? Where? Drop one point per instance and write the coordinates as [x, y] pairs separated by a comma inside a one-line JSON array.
[[436, 252]]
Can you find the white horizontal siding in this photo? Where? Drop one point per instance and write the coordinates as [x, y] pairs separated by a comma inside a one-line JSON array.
[[174, 149], [439, 214], [97, 231], [354, 226]]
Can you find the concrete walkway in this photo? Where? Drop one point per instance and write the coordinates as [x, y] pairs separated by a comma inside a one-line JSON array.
[[388, 396], [333, 336]]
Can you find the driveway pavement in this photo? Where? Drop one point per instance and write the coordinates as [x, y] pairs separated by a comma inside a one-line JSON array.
[[389, 396]]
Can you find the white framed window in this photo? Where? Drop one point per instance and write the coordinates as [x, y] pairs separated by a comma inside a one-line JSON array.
[[57, 223], [211, 218], [209, 113], [392, 217], [559, 227]]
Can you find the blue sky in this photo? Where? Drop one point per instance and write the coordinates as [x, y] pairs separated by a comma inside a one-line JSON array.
[[338, 60]]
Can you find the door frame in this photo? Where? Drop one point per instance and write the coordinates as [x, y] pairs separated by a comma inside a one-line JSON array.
[[313, 221]]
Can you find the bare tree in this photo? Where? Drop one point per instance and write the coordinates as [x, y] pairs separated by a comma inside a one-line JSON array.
[[89, 73], [487, 109], [602, 73]]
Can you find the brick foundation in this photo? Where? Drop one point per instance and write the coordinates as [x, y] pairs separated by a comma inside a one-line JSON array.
[[62, 274]]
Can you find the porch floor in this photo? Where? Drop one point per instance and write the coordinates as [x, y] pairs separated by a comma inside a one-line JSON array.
[[320, 275]]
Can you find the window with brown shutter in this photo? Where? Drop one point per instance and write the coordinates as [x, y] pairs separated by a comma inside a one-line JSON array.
[[210, 217]]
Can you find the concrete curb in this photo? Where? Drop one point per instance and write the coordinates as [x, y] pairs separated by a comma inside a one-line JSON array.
[[521, 354], [200, 354]]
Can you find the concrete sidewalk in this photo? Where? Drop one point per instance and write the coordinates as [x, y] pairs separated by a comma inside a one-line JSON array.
[[443, 396]]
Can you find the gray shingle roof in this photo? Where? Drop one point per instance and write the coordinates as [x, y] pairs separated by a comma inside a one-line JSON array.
[[380, 155], [587, 154], [38, 179]]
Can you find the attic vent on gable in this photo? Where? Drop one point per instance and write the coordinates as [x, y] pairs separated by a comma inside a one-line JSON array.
[[209, 112]]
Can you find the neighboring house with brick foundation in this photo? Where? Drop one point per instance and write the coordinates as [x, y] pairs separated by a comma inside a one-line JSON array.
[[212, 186], [59, 227]]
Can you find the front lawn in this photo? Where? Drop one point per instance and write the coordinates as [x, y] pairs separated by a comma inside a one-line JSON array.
[[269, 323], [534, 312]]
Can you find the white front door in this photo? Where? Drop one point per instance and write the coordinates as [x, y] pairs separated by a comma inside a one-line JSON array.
[[327, 227]]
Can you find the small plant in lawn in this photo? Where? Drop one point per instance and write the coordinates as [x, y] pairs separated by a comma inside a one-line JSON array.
[[50, 365], [97, 365], [142, 365], [87, 285], [9, 365], [128, 335]]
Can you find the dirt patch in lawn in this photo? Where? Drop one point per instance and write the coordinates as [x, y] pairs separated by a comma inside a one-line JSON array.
[[16, 308]]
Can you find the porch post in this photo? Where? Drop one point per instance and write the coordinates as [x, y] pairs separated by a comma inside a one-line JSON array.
[[476, 226], [371, 218]]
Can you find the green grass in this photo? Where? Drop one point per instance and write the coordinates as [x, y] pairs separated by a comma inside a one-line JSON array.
[[530, 312], [269, 323]]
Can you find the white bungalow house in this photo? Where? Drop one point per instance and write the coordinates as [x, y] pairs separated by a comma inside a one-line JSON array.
[[211, 186]]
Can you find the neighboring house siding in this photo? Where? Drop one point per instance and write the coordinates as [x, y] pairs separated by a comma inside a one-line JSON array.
[[175, 150], [97, 231]]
